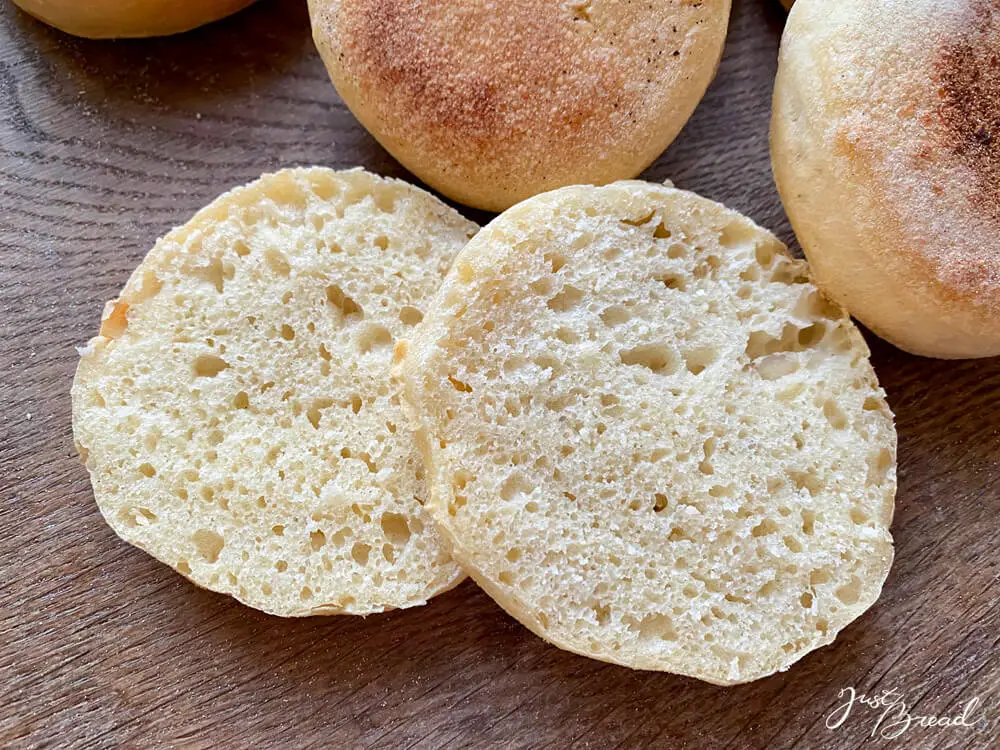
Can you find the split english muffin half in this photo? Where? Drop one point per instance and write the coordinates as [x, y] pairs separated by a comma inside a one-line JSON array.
[[235, 410], [650, 437]]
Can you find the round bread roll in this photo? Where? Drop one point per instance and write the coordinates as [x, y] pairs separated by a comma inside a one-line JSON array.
[[491, 103], [886, 148], [107, 19], [649, 437], [235, 412]]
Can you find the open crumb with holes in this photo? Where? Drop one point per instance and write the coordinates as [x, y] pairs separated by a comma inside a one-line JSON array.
[[649, 436], [235, 412]]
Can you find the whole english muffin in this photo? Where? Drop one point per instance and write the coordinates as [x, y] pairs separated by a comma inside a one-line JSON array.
[[648, 435], [886, 148], [491, 103], [235, 412], [104, 19]]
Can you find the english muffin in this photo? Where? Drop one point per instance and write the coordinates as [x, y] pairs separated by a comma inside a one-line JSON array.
[[648, 435], [886, 148], [104, 19], [235, 411], [492, 103]]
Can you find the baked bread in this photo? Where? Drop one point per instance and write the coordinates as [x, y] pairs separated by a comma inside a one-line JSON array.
[[492, 103], [105, 19], [649, 437], [235, 412], [886, 148]]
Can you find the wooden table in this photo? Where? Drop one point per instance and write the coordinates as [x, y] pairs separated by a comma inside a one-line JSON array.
[[105, 146]]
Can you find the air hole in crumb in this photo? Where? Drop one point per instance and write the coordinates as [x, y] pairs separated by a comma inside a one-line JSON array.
[[567, 336], [555, 260], [659, 502], [372, 337], [872, 404], [672, 281], [776, 366], [315, 410], [277, 262], [317, 540], [678, 534], [764, 255], [818, 577], [347, 306], [834, 415], [659, 358], [209, 365], [515, 486], [768, 588], [360, 552], [879, 465], [616, 315], [395, 528], [850, 593], [565, 300], [764, 528], [789, 272], [541, 286], [858, 516], [699, 359], [208, 543], [640, 221], [792, 543], [806, 480], [735, 234], [808, 521], [812, 335], [410, 316], [459, 386]]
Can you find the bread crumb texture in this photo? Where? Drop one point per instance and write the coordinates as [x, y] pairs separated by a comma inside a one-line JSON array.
[[650, 437], [235, 412]]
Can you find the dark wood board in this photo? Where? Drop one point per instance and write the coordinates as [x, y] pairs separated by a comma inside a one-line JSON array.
[[106, 145]]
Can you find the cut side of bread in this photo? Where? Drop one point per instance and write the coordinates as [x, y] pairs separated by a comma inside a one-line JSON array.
[[236, 414], [649, 436]]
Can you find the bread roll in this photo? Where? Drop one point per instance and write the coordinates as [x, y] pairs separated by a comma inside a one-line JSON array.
[[649, 437], [235, 411], [886, 148], [105, 19], [490, 103]]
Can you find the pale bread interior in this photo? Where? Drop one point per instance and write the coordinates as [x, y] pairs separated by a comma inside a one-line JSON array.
[[236, 413], [650, 437]]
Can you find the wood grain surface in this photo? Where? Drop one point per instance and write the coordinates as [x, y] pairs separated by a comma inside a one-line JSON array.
[[106, 145]]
